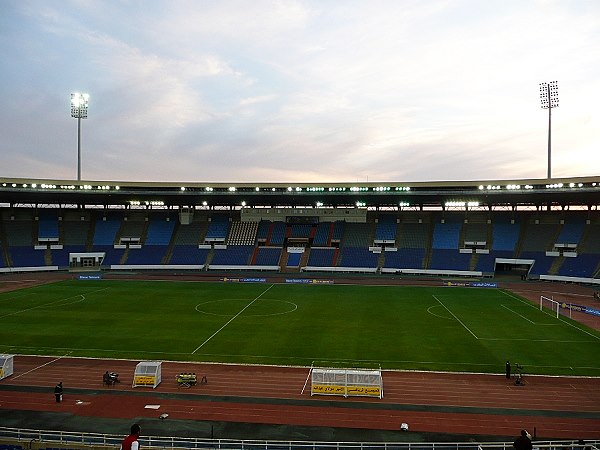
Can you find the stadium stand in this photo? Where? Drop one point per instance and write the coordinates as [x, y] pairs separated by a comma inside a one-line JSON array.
[[505, 236], [188, 255], [159, 232], [537, 237], [27, 257], [571, 233], [542, 263], [19, 233], [475, 232], [235, 255], [446, 235], [48, 226], [106, 230], [357, 257], [293, 259], [217, 229], [322, 257], [449, 259], [357, 235], [242, 233], [276, 233], [405, 258], [262, 233], [60, 257], [552, 244], [147, 254], [337, 231], [385, 232], [267, 256], [322, 234], [299, 230]]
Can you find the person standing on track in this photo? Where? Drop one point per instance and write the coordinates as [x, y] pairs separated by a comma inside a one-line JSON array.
[[131, 441], [58, 392], [508, 370]]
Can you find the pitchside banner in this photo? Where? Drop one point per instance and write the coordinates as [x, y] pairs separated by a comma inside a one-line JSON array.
[[347, 391], [243, 280], [307, 281], [580, 308], [144, 380], [479, 284], [89, 276]]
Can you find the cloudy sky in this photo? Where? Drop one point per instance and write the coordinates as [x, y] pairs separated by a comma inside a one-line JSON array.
[[299, 90]]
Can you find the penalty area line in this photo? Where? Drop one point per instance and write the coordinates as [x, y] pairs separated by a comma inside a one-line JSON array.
[[520, 315]]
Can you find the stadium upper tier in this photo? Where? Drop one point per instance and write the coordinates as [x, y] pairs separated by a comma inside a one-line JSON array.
[[562, 192]]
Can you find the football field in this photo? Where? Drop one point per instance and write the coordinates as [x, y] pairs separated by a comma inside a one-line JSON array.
[[416, 328]]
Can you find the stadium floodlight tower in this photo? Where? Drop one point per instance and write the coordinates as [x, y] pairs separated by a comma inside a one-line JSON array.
[[79, 110], [549, 98]]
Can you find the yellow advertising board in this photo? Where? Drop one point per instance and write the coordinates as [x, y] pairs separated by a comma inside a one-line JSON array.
[[349, 391], [144, 380], [330, 389], [369, 391]]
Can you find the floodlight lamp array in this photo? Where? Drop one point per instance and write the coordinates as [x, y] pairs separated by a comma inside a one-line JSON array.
[[79, 105], [549, 94]]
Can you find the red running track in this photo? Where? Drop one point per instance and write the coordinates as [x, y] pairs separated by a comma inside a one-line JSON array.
[[558, 407]]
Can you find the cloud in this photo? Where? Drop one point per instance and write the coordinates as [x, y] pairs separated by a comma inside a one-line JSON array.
[[302, 90]]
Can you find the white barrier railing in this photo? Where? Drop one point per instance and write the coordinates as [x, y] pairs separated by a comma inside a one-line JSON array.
[[109, 440]]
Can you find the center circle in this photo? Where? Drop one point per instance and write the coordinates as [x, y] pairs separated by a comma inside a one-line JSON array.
[[228, 307]]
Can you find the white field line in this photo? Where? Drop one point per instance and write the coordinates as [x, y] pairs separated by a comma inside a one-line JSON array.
[[563, 321], [232, 319], [520, 315], [51, 303], [266, 357], [453, 315], [535, 340], [43, 365]]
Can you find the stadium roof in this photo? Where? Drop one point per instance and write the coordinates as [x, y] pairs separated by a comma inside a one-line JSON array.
[[542, 193]]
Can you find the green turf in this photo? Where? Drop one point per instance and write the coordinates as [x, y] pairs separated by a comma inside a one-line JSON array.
[[426, 328]]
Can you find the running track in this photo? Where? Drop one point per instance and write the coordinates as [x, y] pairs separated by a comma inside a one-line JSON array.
[[558, 408]]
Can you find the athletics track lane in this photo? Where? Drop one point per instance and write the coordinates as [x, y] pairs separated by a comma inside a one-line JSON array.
[[449, 403]]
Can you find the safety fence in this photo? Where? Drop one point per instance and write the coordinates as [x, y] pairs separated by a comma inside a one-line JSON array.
[[27, 439]]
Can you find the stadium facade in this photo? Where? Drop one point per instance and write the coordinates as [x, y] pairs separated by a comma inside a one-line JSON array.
[[544, 228]]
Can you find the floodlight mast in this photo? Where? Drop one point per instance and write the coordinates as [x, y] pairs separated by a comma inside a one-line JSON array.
[[79, 110], [549, 99]]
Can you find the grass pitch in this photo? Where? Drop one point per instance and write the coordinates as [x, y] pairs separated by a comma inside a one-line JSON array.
[[425, 328]]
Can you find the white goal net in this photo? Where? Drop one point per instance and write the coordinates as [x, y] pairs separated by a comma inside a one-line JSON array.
[[554, 307]]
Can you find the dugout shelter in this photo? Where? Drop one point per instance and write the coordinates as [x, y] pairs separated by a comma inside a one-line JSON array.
[[147, 374], [6, 366]]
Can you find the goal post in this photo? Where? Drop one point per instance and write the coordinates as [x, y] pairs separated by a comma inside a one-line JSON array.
[[346, 382], [554, 306]]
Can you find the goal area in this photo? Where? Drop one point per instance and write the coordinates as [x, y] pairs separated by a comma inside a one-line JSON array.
[[346, 382], [554, 307]]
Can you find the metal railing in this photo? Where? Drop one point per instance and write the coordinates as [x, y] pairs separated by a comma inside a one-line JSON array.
[[74, 440]]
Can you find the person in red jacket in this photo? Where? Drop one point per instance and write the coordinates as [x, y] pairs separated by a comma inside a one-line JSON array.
[[131, 441]]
